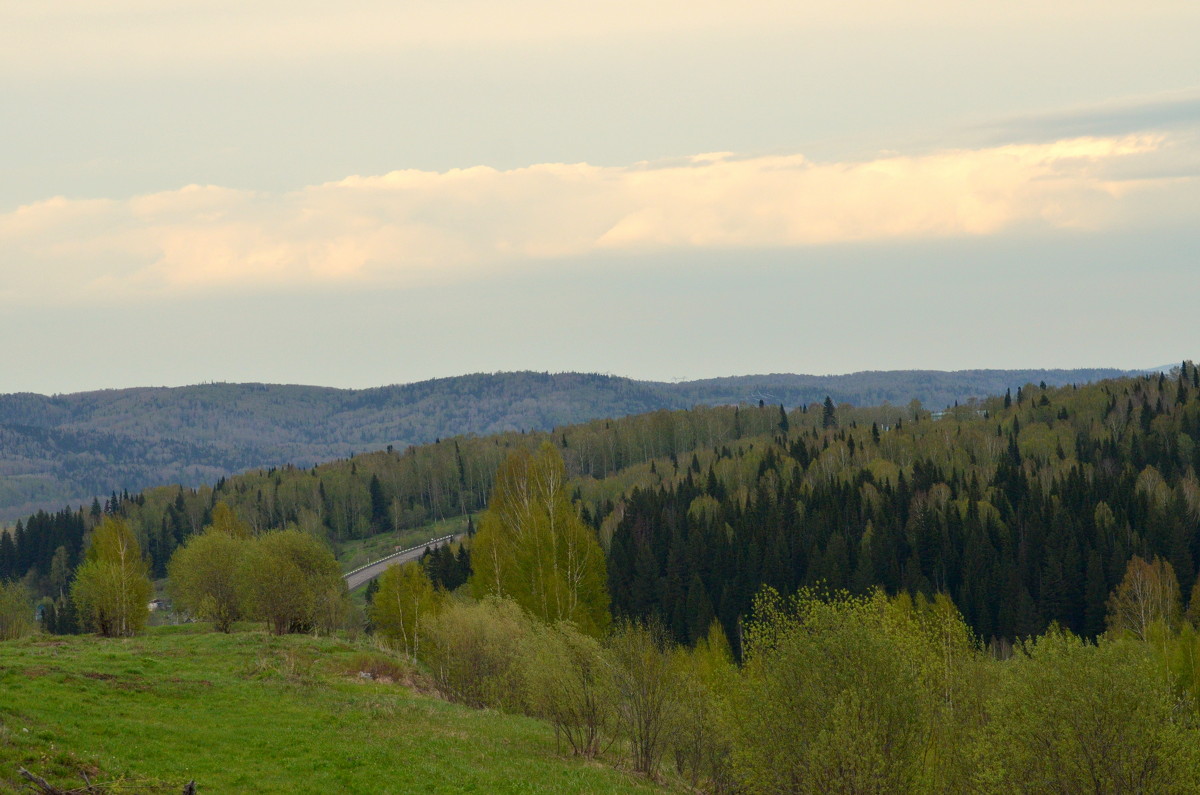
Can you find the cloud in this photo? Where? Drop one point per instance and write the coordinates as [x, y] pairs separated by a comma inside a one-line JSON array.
[[411, 227], [1122, 116]]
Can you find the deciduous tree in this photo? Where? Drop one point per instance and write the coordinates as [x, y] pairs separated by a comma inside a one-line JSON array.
[[1148, 593], [112, 587], [533, 547], [16, 611], [403, 605], [290, 579], [204, 578]]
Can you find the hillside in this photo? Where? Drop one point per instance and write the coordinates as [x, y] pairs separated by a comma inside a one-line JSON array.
[[937, 545], [1024, 509], [179, 704], [67, 449]]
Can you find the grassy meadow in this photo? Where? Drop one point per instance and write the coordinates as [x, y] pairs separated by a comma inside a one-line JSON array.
[[252, 712]]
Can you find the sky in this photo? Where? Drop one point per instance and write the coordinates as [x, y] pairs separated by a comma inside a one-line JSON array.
[[370, 192]]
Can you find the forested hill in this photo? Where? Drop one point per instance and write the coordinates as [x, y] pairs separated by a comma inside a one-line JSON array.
[[66, 449], [1024, 508]]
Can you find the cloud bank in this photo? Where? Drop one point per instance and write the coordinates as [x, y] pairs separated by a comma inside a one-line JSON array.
[[418, 227]]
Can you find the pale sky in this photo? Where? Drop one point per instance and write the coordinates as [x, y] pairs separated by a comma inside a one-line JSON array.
[[371, 192]]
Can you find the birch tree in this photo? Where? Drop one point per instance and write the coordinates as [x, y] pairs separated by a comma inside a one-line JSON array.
[[112, 587], [533, 547], [1148, 593], [403, 605]]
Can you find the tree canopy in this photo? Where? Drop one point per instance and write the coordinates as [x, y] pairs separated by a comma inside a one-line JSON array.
[[112, 587], [533, 547]]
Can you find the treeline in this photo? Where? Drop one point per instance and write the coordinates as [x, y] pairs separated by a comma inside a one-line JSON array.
[[1024, 509], [66, 448], [366, 495]]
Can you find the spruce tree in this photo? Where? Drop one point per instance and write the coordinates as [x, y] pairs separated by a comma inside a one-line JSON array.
[[829, 414]]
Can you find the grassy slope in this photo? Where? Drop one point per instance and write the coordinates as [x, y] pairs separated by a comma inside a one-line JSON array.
[[249, 712]]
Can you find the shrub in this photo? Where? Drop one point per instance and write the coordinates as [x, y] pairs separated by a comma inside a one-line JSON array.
[[475, 653], [16, 611]]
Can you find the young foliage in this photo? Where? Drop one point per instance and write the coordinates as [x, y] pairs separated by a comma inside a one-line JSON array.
[[16, 611], [475, 651], [112, 589], [533, 547], [402, 607], [842, 685], [647, 692], [571, 685], [292, 581], [1148, 593], [1070, 716], [204, 579]]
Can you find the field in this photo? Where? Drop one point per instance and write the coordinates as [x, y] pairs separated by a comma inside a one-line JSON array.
[[251, 712]]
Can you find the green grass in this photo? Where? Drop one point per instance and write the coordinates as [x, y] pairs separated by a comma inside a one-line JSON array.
[[249, 712], [359, 552]]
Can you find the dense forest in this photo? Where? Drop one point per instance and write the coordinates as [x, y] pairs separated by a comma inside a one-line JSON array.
[[1024, 508], [63, 450]]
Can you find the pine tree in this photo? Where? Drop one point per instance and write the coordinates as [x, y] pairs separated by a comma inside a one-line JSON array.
[[379, 506], [1095, 596]]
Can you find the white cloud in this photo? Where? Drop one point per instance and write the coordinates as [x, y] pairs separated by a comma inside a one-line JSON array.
[[411, 226]]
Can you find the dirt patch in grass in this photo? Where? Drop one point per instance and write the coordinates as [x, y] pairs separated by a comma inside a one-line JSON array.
[[384, 668]]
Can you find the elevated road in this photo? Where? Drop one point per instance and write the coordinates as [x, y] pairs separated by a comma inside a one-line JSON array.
[[364, 574]]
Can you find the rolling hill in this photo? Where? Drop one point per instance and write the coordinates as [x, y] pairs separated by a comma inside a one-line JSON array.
[[66, 449]]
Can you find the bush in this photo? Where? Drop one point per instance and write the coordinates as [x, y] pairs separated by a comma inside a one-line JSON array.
[[16, 611], [647, 691], [831, 698], [204, 577], [1071, 716], [700, 745], [292, 581], [570, 684], [475, 652]]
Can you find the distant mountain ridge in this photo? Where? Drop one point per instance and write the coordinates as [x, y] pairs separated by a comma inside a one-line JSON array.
[[65, 449]]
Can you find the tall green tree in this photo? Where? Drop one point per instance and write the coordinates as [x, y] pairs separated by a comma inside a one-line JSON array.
[[292, 581], [533, 547], [112, 587], [204, 578], [829, 414], [403, 605]]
